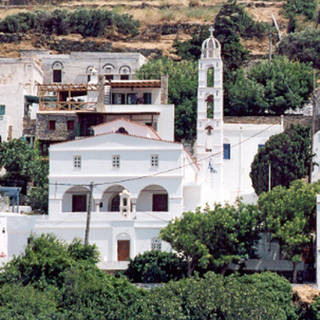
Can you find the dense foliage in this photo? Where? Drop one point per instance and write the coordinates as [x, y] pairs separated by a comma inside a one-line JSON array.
[[24, 166], [231, 23], [182, 91], [303, 46], [155, 267], [88, 23], [213, 238], [288, 216], [53, 280], [289, 155], [307, 8], [269, 88]]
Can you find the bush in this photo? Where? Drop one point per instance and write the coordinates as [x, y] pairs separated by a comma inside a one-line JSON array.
[[303, 46], [259, 297], [155, 267], [88, 23], [307, 8]]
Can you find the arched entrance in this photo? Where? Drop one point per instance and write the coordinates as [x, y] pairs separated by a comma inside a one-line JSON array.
[[153, 198], [76, 199], [111, 199]]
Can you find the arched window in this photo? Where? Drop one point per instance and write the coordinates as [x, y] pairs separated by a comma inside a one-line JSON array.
[[210, 106], [124, 72], [210, 77], [90, 72], [57, 72], [108, 71]]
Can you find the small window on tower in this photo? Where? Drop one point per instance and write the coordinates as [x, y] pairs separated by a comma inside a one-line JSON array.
[[226, 151]]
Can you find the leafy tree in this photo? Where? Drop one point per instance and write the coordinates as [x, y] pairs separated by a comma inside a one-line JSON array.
[[307, 8], [286, 84], [155, 267], [182, 91], [303, 46], [288, 154], [288, 215], [19, 302], [44, 261], [259, 297], [213, 238], [24, 165], [231, 23]]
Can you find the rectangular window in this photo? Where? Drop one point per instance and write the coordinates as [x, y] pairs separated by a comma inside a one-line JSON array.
[[154, 161], [131, 98], [147, 98], [2, 109], [118, 98], [115, 161], [124, 77], [70, 125], [77, 162], [57, 76], [108, 76], [226, 151], [52, 125], [260, 146]]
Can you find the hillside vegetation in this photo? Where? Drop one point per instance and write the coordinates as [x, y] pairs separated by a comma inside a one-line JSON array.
[[159, 24]]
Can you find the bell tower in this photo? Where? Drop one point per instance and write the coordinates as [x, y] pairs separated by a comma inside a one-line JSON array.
[[209, 143]]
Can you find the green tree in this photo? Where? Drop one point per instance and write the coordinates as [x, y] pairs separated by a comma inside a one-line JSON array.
[[155, 267], [44, 261], [214, 238], [288, 154], [303, 46], [288, 216], [287, 85], [182, 91]]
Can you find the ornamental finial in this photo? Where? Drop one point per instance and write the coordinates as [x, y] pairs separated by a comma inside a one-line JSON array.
[[211, 29]]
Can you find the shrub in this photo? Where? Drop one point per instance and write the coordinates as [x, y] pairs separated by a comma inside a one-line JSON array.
[[307, 8], [303, 46], [88, 23], [155, 267]]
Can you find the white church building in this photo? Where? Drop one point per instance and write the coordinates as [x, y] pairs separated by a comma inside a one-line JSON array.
[[141, 179]]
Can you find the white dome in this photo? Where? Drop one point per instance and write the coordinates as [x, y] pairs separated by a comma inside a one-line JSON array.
[[211, 47]]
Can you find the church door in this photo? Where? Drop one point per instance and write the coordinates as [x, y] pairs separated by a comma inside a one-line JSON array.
[[123, 250], [160, 202], [79, 202]]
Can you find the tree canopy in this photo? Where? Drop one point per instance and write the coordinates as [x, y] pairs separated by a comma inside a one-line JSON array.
[[288, 215], [211, 239], [24, 166], [289, 156], [183, 83]]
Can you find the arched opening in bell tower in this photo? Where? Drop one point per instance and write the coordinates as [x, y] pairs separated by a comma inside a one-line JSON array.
[[210, 77], [210, 106]]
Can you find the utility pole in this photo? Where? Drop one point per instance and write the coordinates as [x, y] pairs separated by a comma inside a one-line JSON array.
[[86, 237], [314, 114], [269, 176], [270, 46]]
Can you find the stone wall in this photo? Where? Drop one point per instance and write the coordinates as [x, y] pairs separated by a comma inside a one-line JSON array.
[[61, 131], [287, 120]]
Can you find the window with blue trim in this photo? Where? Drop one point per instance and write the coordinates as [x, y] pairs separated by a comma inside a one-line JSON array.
[[226, 151]]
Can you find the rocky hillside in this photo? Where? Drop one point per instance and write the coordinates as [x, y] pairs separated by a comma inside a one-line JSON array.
[[161, 23]]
